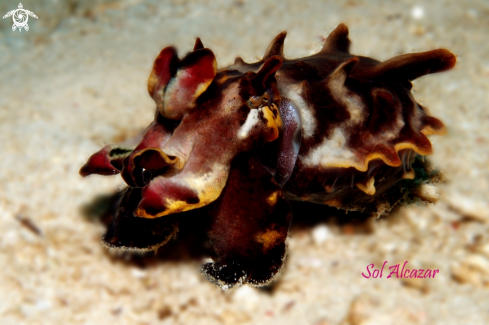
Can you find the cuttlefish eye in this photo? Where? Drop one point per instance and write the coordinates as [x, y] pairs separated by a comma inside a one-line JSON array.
[[258, 101]]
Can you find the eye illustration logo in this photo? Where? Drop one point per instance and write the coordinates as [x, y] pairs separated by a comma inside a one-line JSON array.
[[20, 17]]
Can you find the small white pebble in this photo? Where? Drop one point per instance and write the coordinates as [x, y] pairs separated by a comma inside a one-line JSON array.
[[320, 234], [43, 304], [417, 12], [139, 274], [308, 262], [244, 292], [247, 297], [315, 263]]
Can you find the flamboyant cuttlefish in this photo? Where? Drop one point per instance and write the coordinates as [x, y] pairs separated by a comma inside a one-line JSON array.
[[332, 128]]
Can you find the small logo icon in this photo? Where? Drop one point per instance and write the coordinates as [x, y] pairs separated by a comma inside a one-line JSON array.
[[20, 17]]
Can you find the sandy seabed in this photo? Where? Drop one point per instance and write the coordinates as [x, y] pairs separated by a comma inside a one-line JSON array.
[[77, 80]]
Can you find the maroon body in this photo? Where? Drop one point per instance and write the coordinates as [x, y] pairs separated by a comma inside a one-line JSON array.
[[332, 128]]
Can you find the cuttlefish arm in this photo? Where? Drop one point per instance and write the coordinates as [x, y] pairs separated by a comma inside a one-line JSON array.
[[126, 232], [249, 227], [112, 158]]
